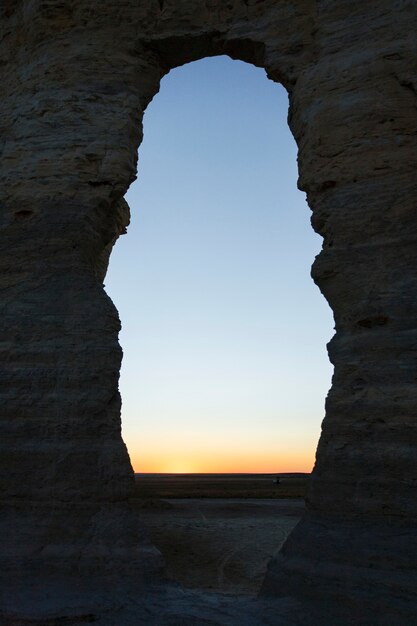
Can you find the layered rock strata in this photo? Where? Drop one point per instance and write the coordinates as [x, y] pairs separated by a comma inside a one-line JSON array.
[[76, 77]]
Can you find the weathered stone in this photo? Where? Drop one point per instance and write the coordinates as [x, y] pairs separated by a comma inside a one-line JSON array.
[[76, 77]]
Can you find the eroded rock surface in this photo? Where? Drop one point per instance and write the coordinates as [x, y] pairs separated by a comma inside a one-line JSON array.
[[76, 77]]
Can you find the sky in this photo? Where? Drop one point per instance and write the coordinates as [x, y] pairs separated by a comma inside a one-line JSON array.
[[224, 333]]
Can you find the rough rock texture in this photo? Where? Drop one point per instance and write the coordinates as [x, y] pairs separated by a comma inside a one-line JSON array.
[[76, 77]]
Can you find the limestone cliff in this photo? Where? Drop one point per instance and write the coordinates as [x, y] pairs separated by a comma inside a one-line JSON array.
[[76, 77]]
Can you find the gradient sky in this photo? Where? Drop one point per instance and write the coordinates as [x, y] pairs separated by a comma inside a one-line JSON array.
[[224, 333]]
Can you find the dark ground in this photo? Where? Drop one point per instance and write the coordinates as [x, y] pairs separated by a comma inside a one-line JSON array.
[[218, 532]]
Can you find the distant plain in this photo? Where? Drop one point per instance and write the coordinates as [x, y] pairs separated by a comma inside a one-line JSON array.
[[219, 531]]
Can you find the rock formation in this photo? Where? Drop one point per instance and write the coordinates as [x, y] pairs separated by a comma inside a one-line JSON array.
[[76, 77]]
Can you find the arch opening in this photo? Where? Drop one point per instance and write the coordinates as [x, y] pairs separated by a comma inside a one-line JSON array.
[[225, 343]]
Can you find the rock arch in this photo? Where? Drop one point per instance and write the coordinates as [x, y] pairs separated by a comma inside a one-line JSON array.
[[76, 78]]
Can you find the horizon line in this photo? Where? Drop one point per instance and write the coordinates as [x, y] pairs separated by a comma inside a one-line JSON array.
[[216, 473]]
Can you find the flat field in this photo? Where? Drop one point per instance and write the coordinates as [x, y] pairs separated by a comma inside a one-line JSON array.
[[218, 531], [220, 485]]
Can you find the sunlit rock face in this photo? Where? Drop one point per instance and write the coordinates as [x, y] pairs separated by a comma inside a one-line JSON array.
[[76, 77]]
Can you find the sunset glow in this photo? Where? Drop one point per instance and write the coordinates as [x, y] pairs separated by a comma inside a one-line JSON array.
[[203, 449], [173, 463]]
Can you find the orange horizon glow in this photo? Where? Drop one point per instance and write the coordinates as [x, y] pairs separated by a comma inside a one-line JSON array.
[[222, 451], [242, 464]]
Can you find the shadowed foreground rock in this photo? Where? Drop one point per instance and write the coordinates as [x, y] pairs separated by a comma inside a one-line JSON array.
[[76, 77]]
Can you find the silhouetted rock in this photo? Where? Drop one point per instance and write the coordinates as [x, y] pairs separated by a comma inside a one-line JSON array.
[[76, 77]]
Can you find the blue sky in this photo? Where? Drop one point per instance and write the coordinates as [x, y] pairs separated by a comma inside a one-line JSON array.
[[223, 331]]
